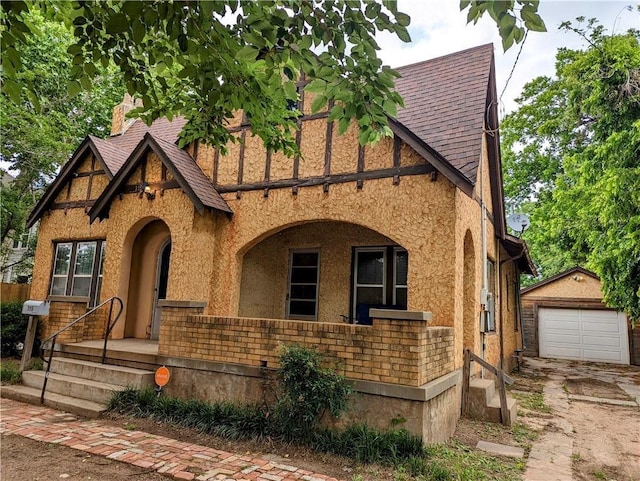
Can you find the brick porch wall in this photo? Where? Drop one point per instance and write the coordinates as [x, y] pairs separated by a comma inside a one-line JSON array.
[[406, 352], [63, 311]]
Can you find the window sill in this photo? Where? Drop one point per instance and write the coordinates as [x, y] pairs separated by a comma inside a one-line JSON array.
[[72, 299]]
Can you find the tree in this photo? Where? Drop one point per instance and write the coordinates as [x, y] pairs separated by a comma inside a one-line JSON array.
[[205, 60], [572, 153], [36, 142]]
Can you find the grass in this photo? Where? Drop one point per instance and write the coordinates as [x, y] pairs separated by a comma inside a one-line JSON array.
[[523, 435], [533, 401], [10, 371], [467, 464]]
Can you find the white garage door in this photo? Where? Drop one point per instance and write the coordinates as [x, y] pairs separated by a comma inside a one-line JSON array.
[[583, 334]]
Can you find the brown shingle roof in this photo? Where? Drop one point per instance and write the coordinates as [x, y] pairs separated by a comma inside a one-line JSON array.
[[160, 129], [445, 102], [193, 175], [112, 156], [184, 169]]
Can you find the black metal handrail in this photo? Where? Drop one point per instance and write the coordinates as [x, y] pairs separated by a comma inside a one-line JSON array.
[[52, 338]]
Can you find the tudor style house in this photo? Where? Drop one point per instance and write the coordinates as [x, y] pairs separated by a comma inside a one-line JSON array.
[[390, 258]]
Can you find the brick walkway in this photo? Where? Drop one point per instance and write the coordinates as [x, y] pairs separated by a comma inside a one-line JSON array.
[[169, 456]]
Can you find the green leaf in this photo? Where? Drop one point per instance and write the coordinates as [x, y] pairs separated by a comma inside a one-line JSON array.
[[290, 90], [305, 42], [118, 23], [12, 89], [402, 33], [138, 30], [390, 108], [316, 86], [403, 19], [73, 88], [247, 53], [318, 103]]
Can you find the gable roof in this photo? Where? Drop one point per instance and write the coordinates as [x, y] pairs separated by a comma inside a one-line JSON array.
[[112, 154], [445, 104], [568, 272], [88, 145], [181, 165], [519, 252]]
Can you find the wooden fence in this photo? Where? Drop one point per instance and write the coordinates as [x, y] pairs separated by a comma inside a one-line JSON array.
[[14, 292]]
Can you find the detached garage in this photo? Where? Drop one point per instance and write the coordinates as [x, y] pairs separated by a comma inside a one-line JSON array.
[[563, 317]]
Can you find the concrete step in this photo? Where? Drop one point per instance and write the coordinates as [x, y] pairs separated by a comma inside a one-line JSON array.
[[86, 389], [107, 373], [482, 389], [484, 402], [31, 395], [493, 410]]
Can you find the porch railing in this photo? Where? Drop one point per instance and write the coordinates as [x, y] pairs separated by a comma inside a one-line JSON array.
[[109, 327], [502, 378]]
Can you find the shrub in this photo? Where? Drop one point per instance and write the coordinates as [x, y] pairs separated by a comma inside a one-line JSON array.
[[308, 391], [10, 372], [13, 328]]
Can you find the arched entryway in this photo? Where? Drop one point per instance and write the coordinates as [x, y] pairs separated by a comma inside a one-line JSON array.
[[148, 280], [323, 271], [470, 322]]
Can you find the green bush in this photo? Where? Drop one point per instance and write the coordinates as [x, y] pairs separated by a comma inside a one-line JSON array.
[[308, 391], [10, 372], [14, 327]]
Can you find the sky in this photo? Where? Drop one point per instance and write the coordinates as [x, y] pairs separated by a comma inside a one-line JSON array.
[[439, 28]]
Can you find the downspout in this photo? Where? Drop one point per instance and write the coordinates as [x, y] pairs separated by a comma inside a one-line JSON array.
[[517, 297], [497, 297], [483, 290]]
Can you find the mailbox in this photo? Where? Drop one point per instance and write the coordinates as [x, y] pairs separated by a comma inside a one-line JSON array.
[[36, 308]]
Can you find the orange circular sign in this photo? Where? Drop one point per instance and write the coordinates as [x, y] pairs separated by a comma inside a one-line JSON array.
[[162, 376]]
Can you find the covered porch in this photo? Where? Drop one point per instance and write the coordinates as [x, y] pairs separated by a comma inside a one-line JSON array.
[[324, 271]]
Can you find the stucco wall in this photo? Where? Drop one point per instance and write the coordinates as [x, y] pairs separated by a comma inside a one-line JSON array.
[[416, 214], [586, 287], [265, 268]]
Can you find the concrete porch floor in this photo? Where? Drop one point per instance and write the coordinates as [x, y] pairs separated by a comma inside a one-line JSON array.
[[138, 346]]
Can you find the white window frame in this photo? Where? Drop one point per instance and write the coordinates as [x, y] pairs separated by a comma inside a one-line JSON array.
[[75, 265], [70, 276], [396, 250], [55, 261], [382, 249], [99, 277], [289, 299]]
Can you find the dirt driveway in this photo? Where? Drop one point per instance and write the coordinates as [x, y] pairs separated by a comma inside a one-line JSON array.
[[594, 430]]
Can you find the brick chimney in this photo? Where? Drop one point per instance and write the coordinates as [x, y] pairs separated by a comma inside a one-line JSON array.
[[119, 122]]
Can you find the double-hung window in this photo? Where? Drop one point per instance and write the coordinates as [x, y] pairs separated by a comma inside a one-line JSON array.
[[77, 269], [304, 269], [380, 279]]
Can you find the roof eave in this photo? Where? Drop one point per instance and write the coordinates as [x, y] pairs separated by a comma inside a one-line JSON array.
[[148, 142], [558, 276], [427, 152], [61, 179]]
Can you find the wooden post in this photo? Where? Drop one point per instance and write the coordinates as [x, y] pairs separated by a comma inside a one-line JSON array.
[[466, 373], [504, 411], [29, 339]]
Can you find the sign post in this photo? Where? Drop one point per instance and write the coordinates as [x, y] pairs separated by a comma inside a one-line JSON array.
[[162, 378]]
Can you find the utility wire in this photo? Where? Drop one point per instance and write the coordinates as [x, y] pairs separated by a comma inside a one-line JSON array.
[[526, 32]]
